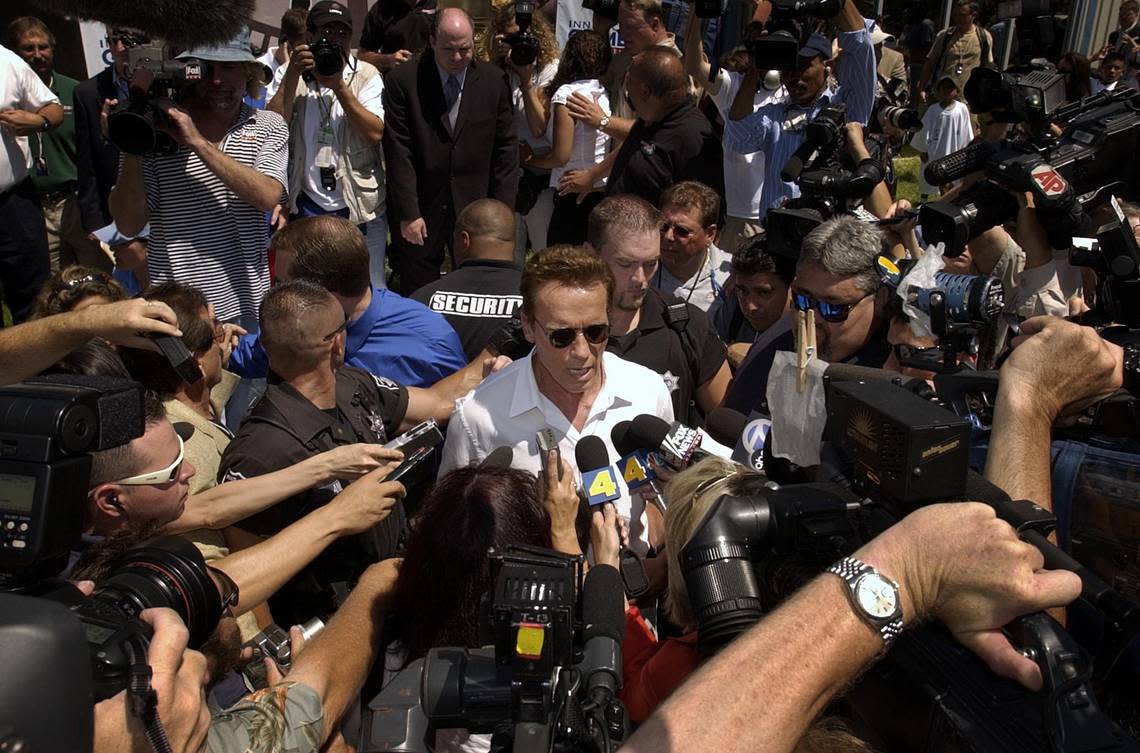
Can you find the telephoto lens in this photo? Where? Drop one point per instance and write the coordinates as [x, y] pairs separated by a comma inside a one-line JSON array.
[[162, 572]]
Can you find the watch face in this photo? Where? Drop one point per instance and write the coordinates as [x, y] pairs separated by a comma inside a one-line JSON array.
[[876, 596]]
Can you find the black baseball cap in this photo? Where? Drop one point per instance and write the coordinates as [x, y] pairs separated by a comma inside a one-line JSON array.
[[327, 12]]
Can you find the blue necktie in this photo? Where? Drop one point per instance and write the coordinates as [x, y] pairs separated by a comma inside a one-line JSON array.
[[451, 91]]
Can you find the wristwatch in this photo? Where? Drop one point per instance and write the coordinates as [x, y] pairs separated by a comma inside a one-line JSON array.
[[1132, 369], [874, 597], [605, 121], [47, 124]]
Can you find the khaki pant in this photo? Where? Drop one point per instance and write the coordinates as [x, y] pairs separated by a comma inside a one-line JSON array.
[[68, 242], [736, 231]]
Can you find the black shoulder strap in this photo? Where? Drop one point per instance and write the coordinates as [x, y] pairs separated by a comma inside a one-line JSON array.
[[677, 317]]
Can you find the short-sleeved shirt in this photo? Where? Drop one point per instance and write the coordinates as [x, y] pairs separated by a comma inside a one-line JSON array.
[[57, 147], [284, 428], [323, 108], [684, 360], [680, 146], [590, 145], [507, 410], [396, 338], [202, 234], [704, 288], [743, 173], [477, 299], [391, 26], [20, 89]]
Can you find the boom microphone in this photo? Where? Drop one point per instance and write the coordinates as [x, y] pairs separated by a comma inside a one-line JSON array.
[[603, 629], [958, 165], [177, 22]]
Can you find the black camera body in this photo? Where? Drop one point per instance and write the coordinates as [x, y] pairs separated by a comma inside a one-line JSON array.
[[524, 46], [328, 56], [50, 424], [1094, 158], [788, 28], [131, 125], [1115, 257]]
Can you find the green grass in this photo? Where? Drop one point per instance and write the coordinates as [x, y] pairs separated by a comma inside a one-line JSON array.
[[906, 178]]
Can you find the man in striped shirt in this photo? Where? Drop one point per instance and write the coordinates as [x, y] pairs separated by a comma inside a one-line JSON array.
[[208, 203], [777, 128]]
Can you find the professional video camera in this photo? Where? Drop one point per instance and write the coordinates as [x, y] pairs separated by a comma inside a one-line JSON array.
[[830, 182], [48, 427], [959, 307], [1093, 158], [131, 125], [898, 451], [788, 28], [524, 46], [547, 679], [1115, 257]]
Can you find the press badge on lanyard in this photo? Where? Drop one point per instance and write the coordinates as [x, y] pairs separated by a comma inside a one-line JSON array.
[[324, 160]]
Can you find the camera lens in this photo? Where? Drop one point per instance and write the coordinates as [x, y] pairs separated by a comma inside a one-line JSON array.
[[327, 58], [166, 572], [130, 127]]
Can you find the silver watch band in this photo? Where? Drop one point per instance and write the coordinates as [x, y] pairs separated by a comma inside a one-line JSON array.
[[850, 569]]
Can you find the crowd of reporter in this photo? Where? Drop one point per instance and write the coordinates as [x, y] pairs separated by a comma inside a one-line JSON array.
[[576, 241]]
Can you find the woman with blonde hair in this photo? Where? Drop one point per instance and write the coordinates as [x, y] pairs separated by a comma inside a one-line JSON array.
[[654, 668]]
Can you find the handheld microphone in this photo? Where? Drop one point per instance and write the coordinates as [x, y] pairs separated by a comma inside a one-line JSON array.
[[678, 445], [599, 479], [634, 465], [958, 165], [603, 621], [750, 435], [804, 155], [500, 457], [725, 425]]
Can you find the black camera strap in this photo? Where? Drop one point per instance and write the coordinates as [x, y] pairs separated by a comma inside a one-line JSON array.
[[141, 696]]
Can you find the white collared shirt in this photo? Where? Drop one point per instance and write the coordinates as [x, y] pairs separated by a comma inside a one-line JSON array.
[[507, 410], [453, 113], [20, 89]]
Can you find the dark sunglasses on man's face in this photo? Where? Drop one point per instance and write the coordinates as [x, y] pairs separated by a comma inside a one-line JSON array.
[[829, 312], [564, 337], [680, 232]]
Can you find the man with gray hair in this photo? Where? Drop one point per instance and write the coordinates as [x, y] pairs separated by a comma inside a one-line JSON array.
[[837, 278]]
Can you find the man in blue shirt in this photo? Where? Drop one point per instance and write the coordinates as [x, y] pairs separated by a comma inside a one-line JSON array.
[[777, 129], [388, 335]]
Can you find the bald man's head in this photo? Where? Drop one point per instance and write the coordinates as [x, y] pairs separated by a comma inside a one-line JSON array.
[[662, 74], [485, 229], [453, 39]]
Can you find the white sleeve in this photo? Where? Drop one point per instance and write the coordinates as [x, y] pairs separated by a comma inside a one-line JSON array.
[[546, 75], [372, 95], [34, 93], [457, 447], [562, 95], [730, 83]]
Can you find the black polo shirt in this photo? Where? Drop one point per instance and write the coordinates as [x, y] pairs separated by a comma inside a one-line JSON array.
[[284, 428], [394, 25], [657, 346], [476, 299], [681, 146]]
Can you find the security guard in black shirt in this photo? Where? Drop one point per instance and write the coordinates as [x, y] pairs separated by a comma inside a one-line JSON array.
[[314, 404], [671, 140], [651, 328], [482, 294]]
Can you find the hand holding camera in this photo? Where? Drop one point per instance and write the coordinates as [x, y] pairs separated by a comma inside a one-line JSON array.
[[302, 61]]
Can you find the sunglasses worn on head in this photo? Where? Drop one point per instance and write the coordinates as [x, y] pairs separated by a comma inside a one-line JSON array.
[[830, 312], [164, 476], [564, 337]]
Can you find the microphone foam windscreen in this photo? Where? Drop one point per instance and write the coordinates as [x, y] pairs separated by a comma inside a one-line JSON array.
[[590, 454], [619, 435], [648, 431], [959, 164], [725, 425], [603, 604], [500, 457], [179, 22]]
